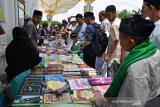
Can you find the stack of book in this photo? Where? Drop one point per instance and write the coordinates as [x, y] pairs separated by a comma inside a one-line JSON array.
[[55, 68], [89, 73], [61, 51], [100, 81], [65, 58], [39, 70], [77, 60], [72, 70], [85, 67]]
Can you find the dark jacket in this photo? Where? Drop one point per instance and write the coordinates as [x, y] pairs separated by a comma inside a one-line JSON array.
[[21, 55]]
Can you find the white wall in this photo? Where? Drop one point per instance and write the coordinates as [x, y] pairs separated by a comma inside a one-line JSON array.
[[30, 6]]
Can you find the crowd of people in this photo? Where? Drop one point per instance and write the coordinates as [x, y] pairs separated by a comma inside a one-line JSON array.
[[133, 47]]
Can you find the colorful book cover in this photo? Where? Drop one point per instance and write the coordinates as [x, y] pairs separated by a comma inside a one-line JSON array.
[[58, 77], [53, 98], [38, 70], [71, 68], [65, 58], [32, 86], [72, 77], [101, 88], [72, 73], [85, 67], [86, 96], [55, 67], [56, 86], [79, 84]]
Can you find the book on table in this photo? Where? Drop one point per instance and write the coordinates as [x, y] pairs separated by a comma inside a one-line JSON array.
[[100, 81], [58, 77], [101, 88], [32, 86], [55, 68], [79, 84], [69, 68], [55, 98], [86, 96], [85, 67], [28, 101], [56, 86], [38, 70]]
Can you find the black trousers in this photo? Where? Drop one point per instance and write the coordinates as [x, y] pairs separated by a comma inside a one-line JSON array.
[[89, 60]]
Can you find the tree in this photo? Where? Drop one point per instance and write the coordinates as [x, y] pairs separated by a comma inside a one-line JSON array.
[[52, 22], [125, 13], [44, 22], [55, 23]]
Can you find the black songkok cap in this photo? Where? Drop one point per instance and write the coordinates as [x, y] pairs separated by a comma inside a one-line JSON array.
[[73, 35], [137, 26], [88, 14], [110, 8], [37, 12]]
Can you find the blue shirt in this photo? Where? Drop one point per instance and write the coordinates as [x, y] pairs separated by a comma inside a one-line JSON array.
[[80, 30], [89, 36]]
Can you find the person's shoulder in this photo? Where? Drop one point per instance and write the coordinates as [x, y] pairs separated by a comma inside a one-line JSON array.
[[145, 66], [106, 21], [116, 22], [84, 24], [30, 23]]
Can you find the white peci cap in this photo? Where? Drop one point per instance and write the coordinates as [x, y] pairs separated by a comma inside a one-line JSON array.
[[26, 17], [73, 19]]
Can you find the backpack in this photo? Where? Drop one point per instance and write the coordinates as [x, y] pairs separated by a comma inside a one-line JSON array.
[[100, 41]]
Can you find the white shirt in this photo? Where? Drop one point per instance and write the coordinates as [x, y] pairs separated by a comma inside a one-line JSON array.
[[113, 36], [105, 25], [155, 36]]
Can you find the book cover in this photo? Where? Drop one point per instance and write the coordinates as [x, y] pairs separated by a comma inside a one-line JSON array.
[[53, 98], [65, 58], [54, 67], [31, 89], [86, 96], [32, 85], [72, 77], [72, 73], [56, 86], [100, 81], [85, 67], [101, 88], [77, 60], [38, 70], [28, 101], [58, 77], [79, 84], [71, 68]]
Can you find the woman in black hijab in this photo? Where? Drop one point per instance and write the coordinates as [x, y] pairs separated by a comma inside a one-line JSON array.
[[21, 55]]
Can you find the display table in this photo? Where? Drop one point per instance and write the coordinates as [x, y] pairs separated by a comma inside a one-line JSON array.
[[69, 70], [66, 105]]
